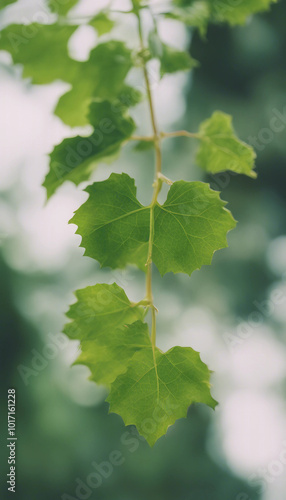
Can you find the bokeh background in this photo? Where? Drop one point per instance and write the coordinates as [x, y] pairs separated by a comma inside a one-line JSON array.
[[233, 312]]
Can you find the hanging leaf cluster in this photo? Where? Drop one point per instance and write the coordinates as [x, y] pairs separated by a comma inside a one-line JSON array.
[[148, 388]]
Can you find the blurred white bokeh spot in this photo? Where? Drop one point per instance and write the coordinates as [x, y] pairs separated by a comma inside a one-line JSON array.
[[81, 390], [253, 426], [259, 361], [196, 329]]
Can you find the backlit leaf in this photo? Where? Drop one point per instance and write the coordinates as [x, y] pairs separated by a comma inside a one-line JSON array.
[[42, 50], [237, 13], [101, 77], [157, 389], [171, 59], [109, 328], [194, 13], [199, 13], [189, 227], [113, 224], [75, 158], [221, 150]]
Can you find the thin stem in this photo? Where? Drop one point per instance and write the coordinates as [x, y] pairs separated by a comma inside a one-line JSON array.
[[145, 138], [157, 188], [160, 136], [180, 133], [153, 331]]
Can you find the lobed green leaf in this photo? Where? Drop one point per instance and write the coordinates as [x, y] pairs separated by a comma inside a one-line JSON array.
[[109, 328], [188, 228], [158, 388], [42, 50], [113, 224], [221, 150], [101, 77], [75, 158]]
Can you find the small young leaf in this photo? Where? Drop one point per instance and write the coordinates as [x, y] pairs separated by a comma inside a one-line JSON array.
[[171, 59], [61, 7], [199, 13], [194, 13], [102, 23], [75, 159], [42, 50], [158, 388], [189, 227], [109, 328], [221, 150], [224, 11]]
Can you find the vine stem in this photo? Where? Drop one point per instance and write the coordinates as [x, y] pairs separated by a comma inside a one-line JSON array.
[[164, 135], [157, 188], [180, 133], [141, 138]]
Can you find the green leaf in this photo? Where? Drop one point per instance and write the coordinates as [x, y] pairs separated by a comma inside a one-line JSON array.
[[188, 228], [109, 328], [194, 13], [75, 159], [102, 23], [101, 77], [61, 7], [171, 59], [42, 50], [199, 13], [5, 3], [223, 11], [113, 224], [157, 389], [221, 150]]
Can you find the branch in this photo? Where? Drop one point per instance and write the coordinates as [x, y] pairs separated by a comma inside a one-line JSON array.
[[180, 133]]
